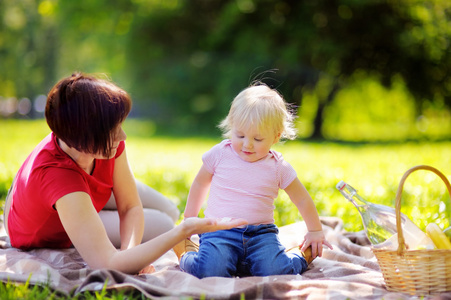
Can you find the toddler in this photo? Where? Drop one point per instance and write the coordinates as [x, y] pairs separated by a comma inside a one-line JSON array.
[[243, 176]]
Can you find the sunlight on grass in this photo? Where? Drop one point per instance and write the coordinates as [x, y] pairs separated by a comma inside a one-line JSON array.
[[365, 110], [170, 164]]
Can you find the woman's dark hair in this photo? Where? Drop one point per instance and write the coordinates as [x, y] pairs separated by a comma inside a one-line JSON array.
[[84, 111]]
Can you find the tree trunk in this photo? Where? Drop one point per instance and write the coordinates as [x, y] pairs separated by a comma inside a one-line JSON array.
[[318, 122]]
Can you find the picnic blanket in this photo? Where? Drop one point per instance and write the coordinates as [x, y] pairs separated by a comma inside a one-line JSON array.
[[349, 271]]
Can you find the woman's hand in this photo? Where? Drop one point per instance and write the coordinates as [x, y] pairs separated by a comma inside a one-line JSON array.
[[316, 239], [197, 225], [147, 270]]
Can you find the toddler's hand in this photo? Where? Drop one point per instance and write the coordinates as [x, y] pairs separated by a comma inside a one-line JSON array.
[[316, 239]]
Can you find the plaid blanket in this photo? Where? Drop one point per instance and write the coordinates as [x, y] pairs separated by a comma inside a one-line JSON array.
[[349, 271]]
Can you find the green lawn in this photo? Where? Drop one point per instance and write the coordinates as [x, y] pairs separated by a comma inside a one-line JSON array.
[[169, 164]]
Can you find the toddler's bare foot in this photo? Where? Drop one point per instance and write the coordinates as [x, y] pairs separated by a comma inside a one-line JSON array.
[[185, 246]]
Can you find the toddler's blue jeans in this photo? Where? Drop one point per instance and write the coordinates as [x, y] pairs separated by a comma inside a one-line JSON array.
[[254, 250]]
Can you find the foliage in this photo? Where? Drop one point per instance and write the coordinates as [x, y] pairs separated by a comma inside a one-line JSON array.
[[184, 61], [317, 46], [367, 111]]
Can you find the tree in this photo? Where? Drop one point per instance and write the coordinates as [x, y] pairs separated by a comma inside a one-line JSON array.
[[184, 61], [27, 48], [310, 42]]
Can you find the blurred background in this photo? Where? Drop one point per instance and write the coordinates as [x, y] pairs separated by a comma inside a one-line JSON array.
[[357, 70], [370, 79]]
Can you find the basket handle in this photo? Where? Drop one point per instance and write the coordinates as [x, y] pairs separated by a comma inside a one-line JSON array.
[[401, 241]]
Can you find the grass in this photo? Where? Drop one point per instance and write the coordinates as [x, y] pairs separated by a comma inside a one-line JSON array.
[[169, 164], [12, 291]]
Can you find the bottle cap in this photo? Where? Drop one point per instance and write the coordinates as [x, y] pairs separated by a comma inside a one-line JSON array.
[[340, 185]]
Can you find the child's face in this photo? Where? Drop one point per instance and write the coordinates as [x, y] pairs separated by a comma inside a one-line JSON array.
[[252, 145]]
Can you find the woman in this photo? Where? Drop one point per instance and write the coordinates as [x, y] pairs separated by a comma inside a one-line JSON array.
[[56, 199]]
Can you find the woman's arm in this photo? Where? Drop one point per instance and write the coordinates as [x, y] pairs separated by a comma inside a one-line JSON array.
[[128, 204], [86, 231], [301, 198], [198, 192]]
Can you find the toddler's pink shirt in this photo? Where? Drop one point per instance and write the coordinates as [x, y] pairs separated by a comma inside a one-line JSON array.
[[241, 189]]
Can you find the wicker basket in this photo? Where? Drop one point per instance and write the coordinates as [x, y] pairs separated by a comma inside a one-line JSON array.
[[415, 272]]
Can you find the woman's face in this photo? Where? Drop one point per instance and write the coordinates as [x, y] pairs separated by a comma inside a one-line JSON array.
[[118, 136]]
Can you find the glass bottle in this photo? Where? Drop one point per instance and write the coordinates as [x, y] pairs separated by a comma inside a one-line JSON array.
[[379, 222]]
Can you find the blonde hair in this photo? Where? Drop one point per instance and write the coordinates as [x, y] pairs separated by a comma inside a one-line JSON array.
[[258, 105]]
